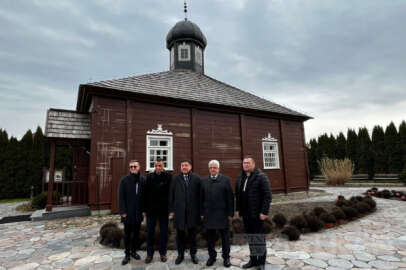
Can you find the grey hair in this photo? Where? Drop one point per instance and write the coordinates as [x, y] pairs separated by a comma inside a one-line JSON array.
[[215, 162]]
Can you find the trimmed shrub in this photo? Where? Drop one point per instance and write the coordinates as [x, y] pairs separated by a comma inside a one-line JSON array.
[[314, 223], [338, 213], [291, 232], [362, 207], [318, 211], [279, 219], [237, 225], [299, 222], [328, 218], [386, 194], [268, 226], [350, 212]]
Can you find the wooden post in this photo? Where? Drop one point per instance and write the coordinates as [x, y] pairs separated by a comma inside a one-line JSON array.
[[285, 179], [51, 177]]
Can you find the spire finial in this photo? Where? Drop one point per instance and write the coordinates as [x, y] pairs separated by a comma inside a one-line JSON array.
[[185, 10]]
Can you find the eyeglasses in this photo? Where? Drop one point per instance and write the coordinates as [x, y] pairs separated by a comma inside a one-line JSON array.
[[133, 167]]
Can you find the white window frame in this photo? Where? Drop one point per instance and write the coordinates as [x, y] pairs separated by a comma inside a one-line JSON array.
[[169, 148], [183, 47], [270, 141]]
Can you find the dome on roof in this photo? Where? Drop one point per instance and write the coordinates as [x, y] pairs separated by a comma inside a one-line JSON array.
[[185, 30]]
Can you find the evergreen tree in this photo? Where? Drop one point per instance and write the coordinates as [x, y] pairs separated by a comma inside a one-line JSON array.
[[366, 160], [341, 146], [378, 149], [38, 159], [392, 150], [402, 138], [352, 148], [313, 158]]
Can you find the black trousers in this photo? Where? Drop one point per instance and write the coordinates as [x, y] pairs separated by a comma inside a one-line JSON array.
[[225, 242], [163, 239], [181, 238], [256, 239], [131, 237]]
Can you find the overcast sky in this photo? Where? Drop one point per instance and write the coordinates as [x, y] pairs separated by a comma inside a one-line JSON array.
[[341, 62]]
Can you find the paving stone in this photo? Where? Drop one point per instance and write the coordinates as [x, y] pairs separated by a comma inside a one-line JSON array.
[[65, 262], [58, 256], [389, 258], [360, 264], [364, 256], [316, 262], [299, 255], [382, 264], [85, 260], [322, 256], [28, 266], [340, 263], [274, 267]]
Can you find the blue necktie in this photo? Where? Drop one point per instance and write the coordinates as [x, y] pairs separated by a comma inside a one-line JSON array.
[[186, 179]]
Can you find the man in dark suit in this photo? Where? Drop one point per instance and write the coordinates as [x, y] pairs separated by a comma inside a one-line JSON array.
[[156, 208], [184, 207], [253, 198], [130, 198], [217, 208]]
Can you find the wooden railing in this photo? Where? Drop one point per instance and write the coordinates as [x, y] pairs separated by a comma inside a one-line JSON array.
[[70, 193]]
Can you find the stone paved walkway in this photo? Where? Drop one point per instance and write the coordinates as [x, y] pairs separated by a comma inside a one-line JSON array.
[[377, 241]]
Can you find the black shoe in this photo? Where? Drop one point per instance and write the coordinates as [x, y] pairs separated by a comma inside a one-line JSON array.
[[179, 259], [210, 261], [227, 262], [164, 258], [194, 259], [135, 255], [148, 259], [249, 264], [125, 260]]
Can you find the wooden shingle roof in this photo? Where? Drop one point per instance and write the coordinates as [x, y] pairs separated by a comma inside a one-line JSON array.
[[67, 124], [193, 86]]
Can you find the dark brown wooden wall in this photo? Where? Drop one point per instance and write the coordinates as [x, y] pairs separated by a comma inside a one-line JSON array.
[[119, 129], [218, 137]]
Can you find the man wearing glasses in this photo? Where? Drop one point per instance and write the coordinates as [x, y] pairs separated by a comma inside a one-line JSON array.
[[217, 205], [130, 198]]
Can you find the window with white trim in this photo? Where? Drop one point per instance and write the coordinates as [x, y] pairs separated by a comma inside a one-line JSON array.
[[270, 152], [184, 52], [159, 145]]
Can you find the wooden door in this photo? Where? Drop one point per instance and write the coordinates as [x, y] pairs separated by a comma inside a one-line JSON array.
[[118, 170]]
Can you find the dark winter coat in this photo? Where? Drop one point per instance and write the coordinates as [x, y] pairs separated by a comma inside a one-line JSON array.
[[185, 201], [130, 198], [217, 202], [157, 193], [258, 195]]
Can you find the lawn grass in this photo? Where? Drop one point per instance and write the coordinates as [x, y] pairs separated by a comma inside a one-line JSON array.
[[14, 200]]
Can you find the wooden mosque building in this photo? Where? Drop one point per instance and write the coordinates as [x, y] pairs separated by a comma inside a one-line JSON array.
[[177, 114]]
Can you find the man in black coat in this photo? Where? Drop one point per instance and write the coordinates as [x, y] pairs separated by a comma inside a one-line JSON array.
[[130, 199], [253, 198], [184, 207], [217, 208], [156, 208]]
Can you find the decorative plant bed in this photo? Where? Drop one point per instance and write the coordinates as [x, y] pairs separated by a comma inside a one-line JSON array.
[[303, 217]]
